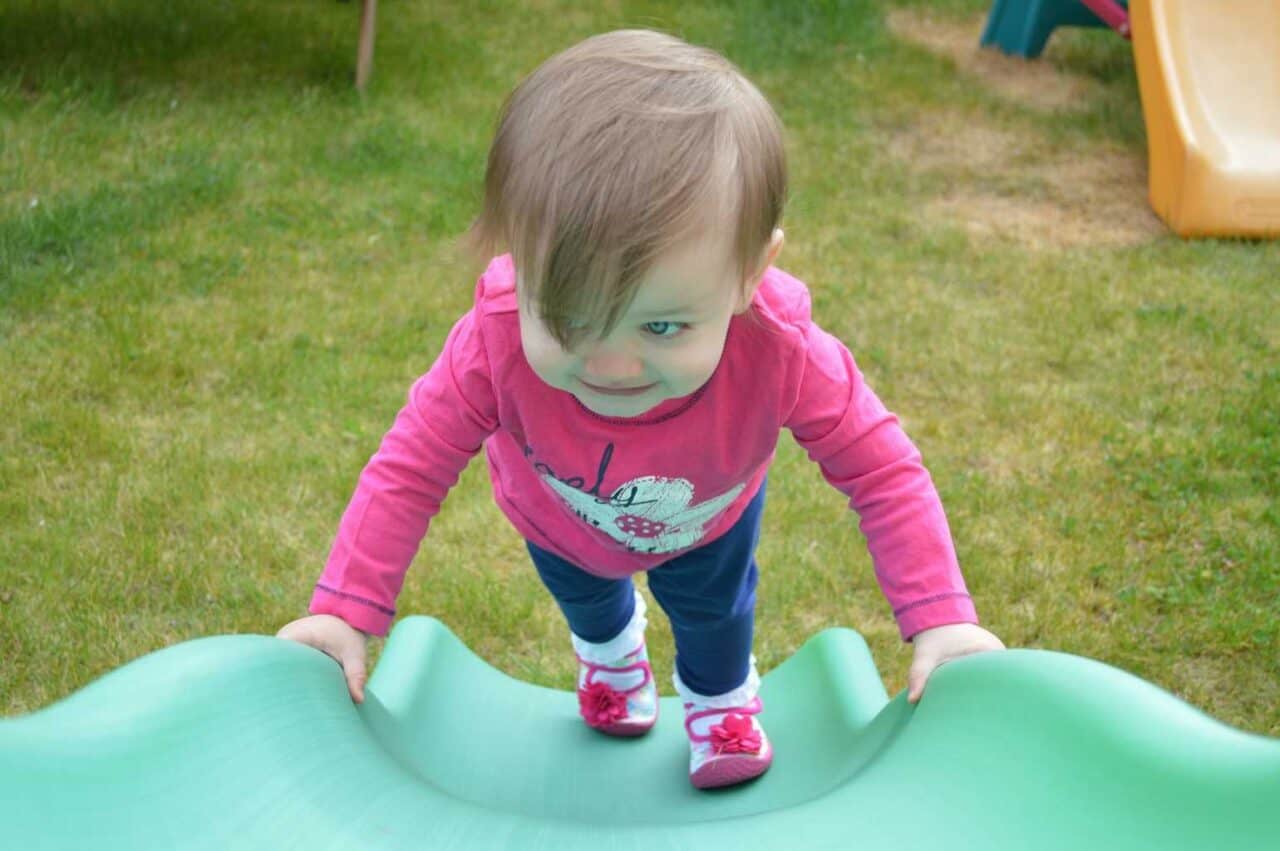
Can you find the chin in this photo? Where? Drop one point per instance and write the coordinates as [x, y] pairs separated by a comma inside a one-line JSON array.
[[621, 407]]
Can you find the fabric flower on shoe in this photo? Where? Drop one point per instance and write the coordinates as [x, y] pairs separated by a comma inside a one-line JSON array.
[[735, 734], [601, 705]]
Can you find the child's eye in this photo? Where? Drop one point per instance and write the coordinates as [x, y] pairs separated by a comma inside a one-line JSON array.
[[664, 329]]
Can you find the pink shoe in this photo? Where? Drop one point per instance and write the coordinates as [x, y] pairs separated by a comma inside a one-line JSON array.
[[610, 703], [733, 749]]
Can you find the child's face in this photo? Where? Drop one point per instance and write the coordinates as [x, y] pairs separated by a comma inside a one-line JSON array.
[[667, 345]]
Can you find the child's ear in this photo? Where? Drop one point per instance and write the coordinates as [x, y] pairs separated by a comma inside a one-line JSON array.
[[749, 287]]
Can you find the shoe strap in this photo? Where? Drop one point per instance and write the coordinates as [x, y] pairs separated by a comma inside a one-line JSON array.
[[643, 666], [752, 708]]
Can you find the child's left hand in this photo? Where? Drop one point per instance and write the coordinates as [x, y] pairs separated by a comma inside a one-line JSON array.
[[941, 644]]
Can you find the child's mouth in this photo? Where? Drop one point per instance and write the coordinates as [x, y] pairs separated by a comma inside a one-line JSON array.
[[616, 391]]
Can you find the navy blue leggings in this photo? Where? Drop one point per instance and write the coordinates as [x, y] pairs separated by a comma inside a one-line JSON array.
[[708, 593]]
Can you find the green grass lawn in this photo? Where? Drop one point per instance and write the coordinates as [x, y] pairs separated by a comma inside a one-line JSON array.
[[220, 270]]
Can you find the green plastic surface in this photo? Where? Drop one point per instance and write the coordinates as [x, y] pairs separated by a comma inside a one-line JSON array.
[[250, 742]]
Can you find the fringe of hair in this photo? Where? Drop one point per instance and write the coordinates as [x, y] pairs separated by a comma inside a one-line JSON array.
[[615, 151]]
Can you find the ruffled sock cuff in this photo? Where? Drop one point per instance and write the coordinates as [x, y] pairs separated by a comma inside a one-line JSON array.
[[740, 696], [631, 637]]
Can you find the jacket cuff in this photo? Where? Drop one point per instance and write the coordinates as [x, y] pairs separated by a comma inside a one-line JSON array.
[[360, 612], [938, 610]]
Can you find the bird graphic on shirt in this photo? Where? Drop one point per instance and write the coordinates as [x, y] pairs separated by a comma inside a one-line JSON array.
[[649, 514]]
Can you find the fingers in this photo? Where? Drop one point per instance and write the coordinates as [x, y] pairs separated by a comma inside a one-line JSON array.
[[338, 640], [353, 666], [921, 669], [916, 679], [291, 631], [929, 660], [348, 646]]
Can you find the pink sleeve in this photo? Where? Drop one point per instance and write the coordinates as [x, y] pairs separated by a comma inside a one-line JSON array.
[[866, 455], [450, 412]]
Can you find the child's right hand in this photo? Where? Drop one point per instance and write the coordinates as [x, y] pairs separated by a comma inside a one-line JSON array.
[[332, 635]]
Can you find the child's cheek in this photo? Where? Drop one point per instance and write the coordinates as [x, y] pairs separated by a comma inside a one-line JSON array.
[[694, 364], [547, 360]]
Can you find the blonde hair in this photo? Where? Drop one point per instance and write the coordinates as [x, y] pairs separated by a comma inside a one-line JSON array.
[[615, 151]]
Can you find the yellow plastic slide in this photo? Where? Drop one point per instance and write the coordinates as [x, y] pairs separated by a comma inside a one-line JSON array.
[[1209, 73]]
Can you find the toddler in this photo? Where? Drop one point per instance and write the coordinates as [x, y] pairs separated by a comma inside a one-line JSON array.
[[627, 368]]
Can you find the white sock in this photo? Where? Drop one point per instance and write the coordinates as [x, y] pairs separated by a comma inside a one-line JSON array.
[[740, 696], [612, 651]]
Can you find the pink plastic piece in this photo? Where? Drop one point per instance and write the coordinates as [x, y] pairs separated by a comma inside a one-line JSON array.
[[1111, 13]]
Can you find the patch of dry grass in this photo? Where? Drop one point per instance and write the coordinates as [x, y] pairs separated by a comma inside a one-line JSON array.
[[1029, 83]]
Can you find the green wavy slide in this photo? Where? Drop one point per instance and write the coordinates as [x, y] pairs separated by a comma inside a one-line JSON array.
[[250, 742]]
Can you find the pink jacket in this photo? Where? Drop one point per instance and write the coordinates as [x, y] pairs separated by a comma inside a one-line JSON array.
[[618, 496]]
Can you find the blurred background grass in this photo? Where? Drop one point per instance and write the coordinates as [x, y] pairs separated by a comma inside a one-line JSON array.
[[220, 269]]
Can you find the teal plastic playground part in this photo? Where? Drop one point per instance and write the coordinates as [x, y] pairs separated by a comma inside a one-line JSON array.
[[1022, 27], [250, 742]]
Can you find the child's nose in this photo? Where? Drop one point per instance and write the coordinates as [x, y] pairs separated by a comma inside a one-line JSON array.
[[610, 365]]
